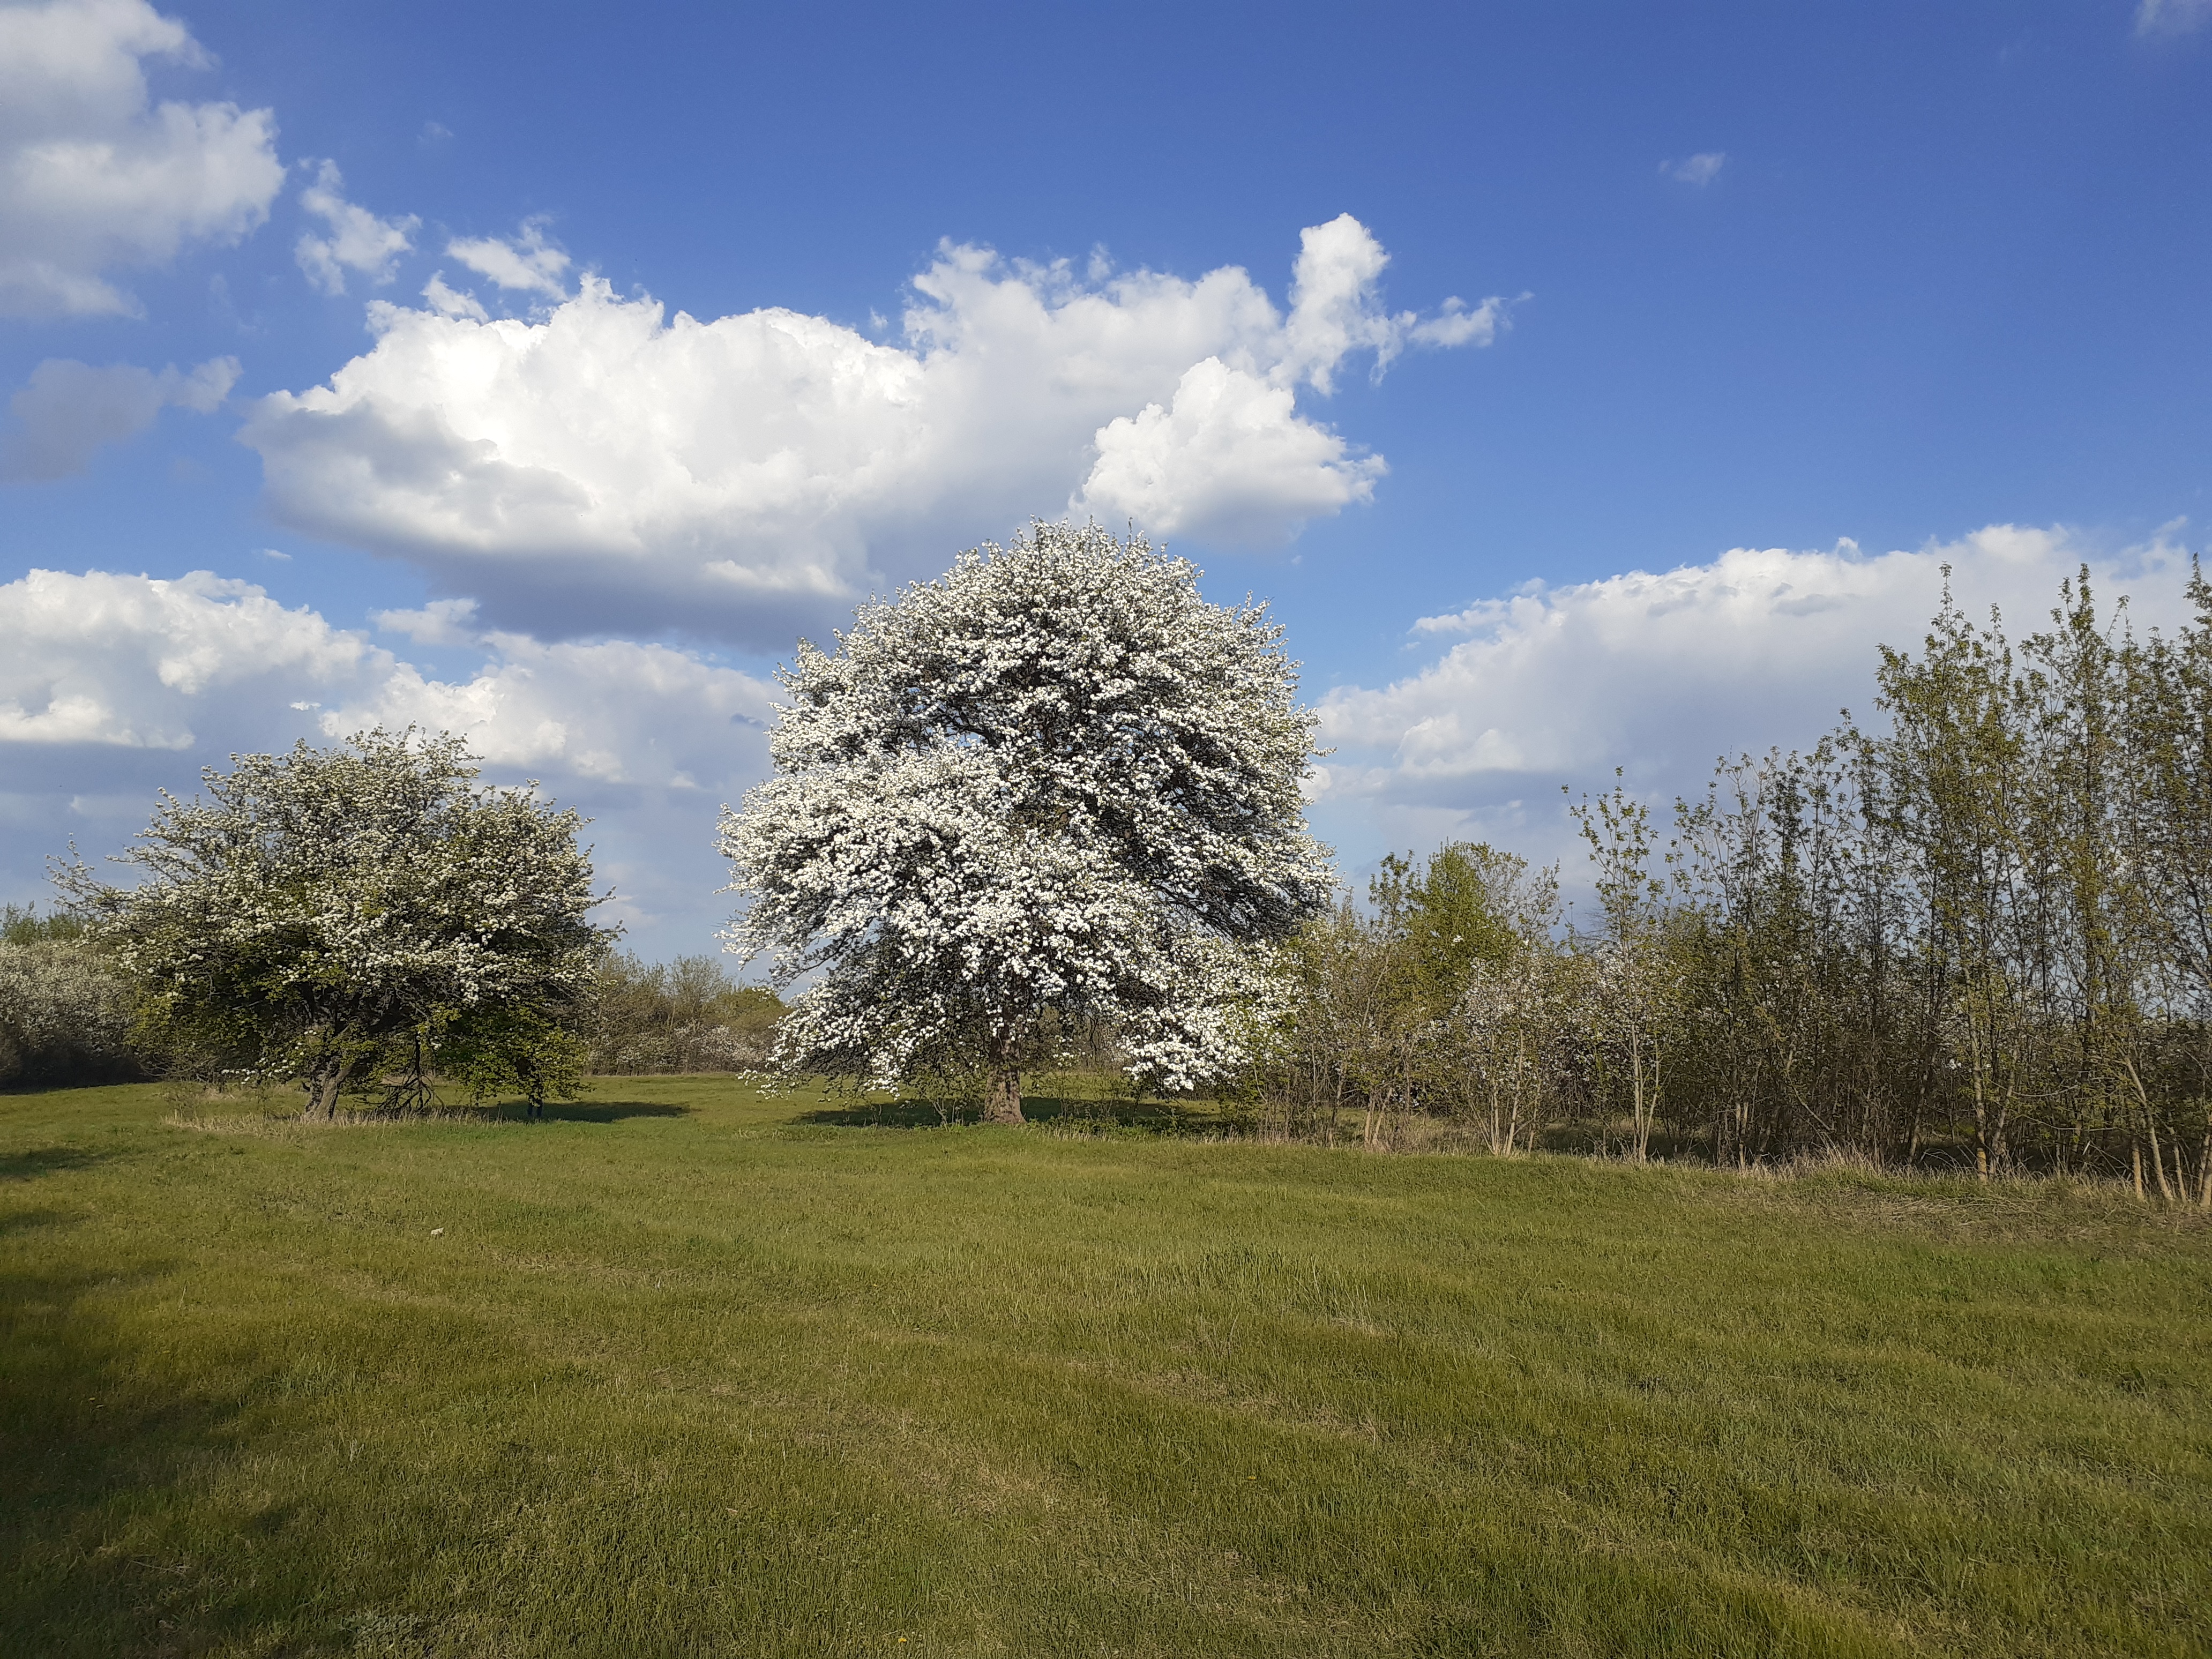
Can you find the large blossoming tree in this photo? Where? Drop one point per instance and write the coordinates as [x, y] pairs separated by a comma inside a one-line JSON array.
[[1055, 789], [359, 918]]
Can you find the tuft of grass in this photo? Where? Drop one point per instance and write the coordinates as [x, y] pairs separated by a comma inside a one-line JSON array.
[[683, 1369]]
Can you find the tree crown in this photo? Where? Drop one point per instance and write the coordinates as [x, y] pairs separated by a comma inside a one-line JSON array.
[[1056, 777], [308, 907]]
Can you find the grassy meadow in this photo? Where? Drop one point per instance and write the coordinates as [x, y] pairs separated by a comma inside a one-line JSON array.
[[684, 1370]]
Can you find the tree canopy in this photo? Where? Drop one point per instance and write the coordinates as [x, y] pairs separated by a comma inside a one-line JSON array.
[[1055, 787], [356, 917]]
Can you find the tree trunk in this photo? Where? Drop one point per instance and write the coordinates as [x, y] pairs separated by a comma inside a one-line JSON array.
[[1981, 1105], [2157, 1161], [1002, 1094], [326, 1093], [1636, 1073]]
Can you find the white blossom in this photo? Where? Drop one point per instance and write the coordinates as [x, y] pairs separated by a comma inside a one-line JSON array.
[[311, 909], [1056, 783], [63, 1015]]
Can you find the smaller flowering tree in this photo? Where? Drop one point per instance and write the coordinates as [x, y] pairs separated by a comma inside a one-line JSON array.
[[1054, 789], [337, 916]]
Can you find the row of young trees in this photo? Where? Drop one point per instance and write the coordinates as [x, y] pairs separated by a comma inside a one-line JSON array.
[[1043, 807], [1980, 931]]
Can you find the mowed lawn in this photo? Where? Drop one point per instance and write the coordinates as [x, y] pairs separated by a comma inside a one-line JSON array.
[[688, 1372]]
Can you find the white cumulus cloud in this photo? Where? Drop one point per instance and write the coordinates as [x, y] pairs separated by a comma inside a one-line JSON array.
[[69, 409], [452, 302], [138, 662], [93, 174], [1335, 309], [1227, 461], [607, 468], [357, 241], [133, 662], [1662, 674], [441, 622], [525, 262], [614, 713]]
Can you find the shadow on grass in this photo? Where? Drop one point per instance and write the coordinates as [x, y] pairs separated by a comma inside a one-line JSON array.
[[45, 1161], [92, 1445], [32, 1221], [596, 1111], [1094, 1116]]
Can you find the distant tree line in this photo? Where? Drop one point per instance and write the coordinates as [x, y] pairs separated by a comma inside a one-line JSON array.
[[688, 1015], [1980, 934]]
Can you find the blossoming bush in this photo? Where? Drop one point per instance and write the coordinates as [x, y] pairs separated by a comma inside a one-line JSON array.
[[65, 1016], [359, 918]]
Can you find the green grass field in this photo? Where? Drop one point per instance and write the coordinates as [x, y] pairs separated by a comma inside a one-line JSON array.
[[686, 1371]]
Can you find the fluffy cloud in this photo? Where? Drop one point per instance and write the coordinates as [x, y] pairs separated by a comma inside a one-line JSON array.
[[70, 408], [358, 241], [1662, 674], [135, 662], [617, 713], [605, 468], [93, 174], [441, 622], [1227, 461], [1700, 169], [452, 302], [526, 264], [127, 662], [1335, 310]]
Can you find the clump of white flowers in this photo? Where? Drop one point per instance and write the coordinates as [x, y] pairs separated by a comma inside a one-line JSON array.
[[358, 917], [63, 1017], [1054, 789]]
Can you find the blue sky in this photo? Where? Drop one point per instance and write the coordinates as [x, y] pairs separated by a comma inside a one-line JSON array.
[[1786, 307]]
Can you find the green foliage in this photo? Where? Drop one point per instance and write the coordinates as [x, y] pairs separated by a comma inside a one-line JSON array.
[[510, 1049], [1375, 1010], [338, 916], [1469, 903], [686, 1371], [1618, 828], [22, 924]]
